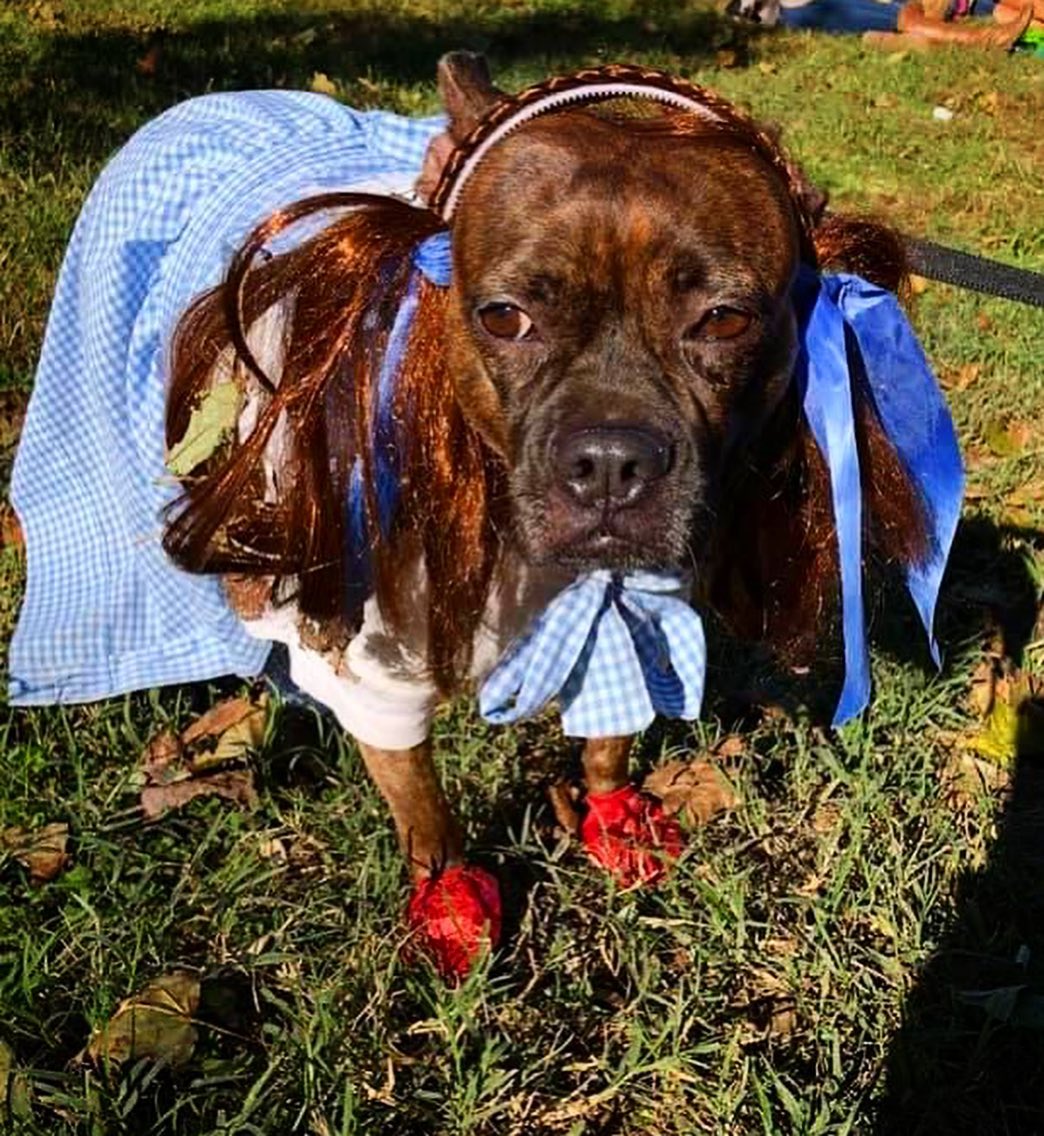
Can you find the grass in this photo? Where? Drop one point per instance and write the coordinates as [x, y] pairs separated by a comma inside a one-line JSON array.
[[808, 967]]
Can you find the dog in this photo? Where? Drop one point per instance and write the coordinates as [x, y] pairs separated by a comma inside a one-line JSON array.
[[603, 384]]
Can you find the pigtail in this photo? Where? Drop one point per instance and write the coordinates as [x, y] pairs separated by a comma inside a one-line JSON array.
[[775, 572]]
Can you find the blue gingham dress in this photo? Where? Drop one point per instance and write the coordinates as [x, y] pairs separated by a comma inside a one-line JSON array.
[[105, 611]]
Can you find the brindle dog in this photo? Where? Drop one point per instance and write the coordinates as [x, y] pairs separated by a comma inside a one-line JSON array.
[[620, 323]]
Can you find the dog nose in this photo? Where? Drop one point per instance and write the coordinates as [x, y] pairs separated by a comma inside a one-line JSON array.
[[611, 464]]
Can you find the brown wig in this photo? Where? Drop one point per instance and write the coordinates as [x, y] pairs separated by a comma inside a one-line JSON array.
[[341, 290], [774, 571]]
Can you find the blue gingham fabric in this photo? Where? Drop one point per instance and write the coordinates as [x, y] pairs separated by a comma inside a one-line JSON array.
[[105, 611], [614, 650]]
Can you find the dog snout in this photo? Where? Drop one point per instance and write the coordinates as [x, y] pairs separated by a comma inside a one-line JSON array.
[[613, 466]]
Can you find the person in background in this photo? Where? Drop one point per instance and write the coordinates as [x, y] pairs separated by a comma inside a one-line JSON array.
[[903, 23]]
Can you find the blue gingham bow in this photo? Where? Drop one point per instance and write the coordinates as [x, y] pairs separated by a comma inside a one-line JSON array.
[[615, 649]]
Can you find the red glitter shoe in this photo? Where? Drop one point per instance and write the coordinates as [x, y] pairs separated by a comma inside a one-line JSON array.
[[455, 916], [629, 835]]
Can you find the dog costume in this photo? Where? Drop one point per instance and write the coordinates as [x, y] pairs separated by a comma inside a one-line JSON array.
[[105, 609]]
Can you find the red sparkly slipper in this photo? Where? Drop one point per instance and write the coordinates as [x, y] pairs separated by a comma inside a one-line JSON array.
[[629, 835], [454, 916]]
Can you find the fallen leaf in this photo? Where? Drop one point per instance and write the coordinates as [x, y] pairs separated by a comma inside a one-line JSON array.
[[236, 725], [41, 851], [727, 58], [179, 769], [767, 68], [156, 1023], [146, 65], [211, 422], [236, 785], [963, 377], [1014, 725], [918, 284], [696, 789], [322, 84], [988, 102], [968, 779], [10, 530], [730, 746], [15, 1091], [1006, 438], [983, 321], [769, 1007]]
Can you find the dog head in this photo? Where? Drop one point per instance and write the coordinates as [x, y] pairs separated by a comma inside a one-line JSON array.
[[620, 320]]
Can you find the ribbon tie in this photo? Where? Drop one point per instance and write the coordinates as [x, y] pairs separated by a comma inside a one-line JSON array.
[[616, 651]]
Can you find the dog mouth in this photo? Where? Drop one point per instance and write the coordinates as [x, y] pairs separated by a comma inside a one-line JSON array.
[[615, 541]]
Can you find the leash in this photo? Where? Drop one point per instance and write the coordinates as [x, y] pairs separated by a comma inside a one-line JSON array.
[[975, 273]]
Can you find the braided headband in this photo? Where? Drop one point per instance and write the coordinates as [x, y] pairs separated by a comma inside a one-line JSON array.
[[616, 650], [598, 85]]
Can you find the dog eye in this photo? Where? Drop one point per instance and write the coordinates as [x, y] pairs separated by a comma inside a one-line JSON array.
[[720, 323], [505, 321]]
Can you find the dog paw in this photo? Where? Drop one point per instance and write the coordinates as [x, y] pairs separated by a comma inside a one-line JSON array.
[[454, 916], [630, 836]]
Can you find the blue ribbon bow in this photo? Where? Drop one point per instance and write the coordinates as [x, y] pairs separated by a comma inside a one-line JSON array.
[[843, 321]]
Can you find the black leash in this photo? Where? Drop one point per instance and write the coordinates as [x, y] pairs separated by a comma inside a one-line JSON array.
[[937, 262]]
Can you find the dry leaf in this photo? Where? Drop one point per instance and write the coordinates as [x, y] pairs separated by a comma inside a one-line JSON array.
[[236, 785], [726, 58], [212, 421], [177, 770], [769, 1008], [696, 789], [963, 377], [10, 530], [237, 725], [146, 65], [155, 1023], [41, 851], [967, 778], [918, 284], [322, 84], [15, 1091]]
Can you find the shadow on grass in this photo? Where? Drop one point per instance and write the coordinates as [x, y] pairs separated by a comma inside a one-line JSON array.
[[969, 1056], [78, 96]]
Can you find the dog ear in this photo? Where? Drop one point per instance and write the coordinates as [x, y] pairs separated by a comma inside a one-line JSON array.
[[466, 89], [467, 92]]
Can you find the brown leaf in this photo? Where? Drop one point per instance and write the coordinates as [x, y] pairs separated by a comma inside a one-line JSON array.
[[10, 530], [562, 802], [918, 284], [146, 65], [967, 778], [965, 376], [179, 769], [322, 84], [236, 785], [727, 58], [730, 746], [245, 718], [696, 789], [156, 1023], [15, 1090], [41, 851], [983, 321]]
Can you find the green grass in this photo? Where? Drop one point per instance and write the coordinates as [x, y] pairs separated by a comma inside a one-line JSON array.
[[803, 969]]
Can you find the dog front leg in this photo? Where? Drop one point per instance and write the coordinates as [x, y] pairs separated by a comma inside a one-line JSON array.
[[454, 912], [428, 833], [624, 831]]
